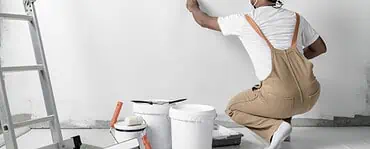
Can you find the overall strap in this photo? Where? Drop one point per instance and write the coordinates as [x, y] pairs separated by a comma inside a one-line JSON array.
[[258, 30], [296, 31]]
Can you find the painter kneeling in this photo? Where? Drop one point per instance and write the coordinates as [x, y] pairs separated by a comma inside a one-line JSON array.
[[280, 43]]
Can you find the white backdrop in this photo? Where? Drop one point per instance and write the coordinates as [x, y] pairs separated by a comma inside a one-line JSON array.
[[100, 52]]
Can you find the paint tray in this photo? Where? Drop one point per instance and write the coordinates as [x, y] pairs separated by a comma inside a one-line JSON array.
[[223, 136]]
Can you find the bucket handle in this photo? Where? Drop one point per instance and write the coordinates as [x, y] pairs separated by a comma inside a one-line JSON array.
[[143, 136]]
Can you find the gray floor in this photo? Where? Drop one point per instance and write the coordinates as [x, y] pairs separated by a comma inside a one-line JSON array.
[[302, 138]]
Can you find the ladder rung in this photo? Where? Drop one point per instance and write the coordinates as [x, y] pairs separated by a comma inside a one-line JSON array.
[[74, 142], [22, 68], [34, 121], [16, 17]]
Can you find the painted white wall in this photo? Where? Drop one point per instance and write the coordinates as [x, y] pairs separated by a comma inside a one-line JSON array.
[[100, 52]]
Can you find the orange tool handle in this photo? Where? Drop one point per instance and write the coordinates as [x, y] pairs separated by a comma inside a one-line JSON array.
[[146, 142], [116, 114]]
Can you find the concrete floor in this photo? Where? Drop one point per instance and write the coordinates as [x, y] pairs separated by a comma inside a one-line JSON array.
[[302, 138]]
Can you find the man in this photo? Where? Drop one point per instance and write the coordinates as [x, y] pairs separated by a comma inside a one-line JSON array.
[[279, 42]]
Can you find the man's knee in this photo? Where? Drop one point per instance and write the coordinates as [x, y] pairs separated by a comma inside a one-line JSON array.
[[238, 99], [229, 112], [229, 109], [233, 114]]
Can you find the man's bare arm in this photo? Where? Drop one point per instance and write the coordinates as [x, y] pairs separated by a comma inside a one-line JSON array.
[[201, 17], [315, 49]]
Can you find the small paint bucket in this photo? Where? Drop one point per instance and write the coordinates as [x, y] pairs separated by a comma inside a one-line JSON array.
[[192, 126], [123, 132]]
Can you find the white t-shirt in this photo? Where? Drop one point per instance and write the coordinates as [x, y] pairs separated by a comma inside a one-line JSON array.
[[277, 24]]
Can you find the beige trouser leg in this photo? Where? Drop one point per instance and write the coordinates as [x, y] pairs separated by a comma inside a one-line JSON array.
[[262, 116], [264, 127]]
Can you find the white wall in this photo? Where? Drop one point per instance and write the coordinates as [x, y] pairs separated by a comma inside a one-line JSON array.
[[100, 52]]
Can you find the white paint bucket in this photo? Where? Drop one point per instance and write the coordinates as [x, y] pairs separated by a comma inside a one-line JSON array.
[[192, 126], [159, 124], [125, 133]]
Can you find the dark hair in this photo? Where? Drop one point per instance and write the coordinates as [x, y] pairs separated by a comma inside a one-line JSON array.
[[278, 3]]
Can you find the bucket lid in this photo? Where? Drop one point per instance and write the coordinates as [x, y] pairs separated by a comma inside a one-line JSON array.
[[193, 112], [154, 109], [122, 126]]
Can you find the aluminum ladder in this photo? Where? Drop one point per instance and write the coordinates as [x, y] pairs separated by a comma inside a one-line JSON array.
[[8, 126]]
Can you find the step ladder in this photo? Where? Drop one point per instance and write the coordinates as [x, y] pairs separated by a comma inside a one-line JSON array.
[[7, 124]]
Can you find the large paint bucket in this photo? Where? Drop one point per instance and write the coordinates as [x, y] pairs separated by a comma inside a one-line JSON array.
[[192, 126], [158, 121]]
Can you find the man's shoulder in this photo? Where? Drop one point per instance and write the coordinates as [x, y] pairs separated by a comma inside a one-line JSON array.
[[268, 12]]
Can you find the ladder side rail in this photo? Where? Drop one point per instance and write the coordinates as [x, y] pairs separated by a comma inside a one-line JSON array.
[[6, 117], [44, 75]]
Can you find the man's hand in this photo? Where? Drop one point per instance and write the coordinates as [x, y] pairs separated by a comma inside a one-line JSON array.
[[200, 17], [192, 5]]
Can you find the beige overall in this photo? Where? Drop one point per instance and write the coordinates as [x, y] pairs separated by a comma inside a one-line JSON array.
[[290, 89]]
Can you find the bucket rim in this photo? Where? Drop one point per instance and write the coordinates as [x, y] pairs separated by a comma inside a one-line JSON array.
[[209, 113], [124, 128], [147, 109], [209, 109], [134, 130]]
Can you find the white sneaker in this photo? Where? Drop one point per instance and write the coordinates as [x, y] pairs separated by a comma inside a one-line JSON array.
[[280, 135]]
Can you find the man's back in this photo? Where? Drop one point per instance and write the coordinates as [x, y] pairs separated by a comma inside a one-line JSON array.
[[277, 24]]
